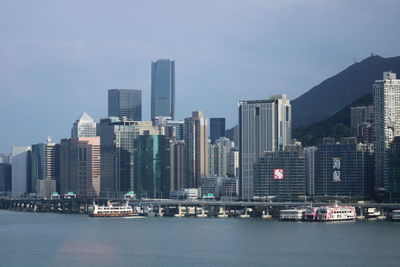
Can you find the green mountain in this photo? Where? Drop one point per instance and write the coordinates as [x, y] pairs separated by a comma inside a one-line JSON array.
[[339, 91], [337, 126]]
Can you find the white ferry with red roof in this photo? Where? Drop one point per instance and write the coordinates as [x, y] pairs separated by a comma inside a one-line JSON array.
[[336, 213]]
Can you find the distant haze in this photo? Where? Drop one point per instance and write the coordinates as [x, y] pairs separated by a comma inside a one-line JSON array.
[[58, 58]]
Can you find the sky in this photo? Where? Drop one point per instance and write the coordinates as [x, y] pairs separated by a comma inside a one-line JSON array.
[[59, 58]]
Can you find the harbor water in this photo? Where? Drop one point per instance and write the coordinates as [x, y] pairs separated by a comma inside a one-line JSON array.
[[44, 239]]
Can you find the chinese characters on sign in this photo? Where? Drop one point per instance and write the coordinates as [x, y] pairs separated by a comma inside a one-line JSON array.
[[279, 174], [336, 169]]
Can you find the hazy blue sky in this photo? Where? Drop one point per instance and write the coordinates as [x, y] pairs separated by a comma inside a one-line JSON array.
[[58, 58]]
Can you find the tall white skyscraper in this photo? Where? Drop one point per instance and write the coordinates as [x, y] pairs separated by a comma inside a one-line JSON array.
[[84, 126], [386, 123], [264, 126]]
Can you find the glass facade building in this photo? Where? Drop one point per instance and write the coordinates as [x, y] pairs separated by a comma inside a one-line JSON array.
[[84, 126], [125, 103], [163, 88], [45, 165], [217, 129], [152, 166], [117, 153], [5, 177]]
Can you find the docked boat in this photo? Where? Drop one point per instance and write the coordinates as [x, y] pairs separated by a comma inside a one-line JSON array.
[[222, 213], [113, 210], [396, 215], [311, 214], [201, 213], [336, 213], [266, 215], [292, 215]]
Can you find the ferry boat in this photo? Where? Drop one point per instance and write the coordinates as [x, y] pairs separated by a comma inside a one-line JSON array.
[[396, 215], [112, 210], [336, 213], [292, 215], [311, 214]]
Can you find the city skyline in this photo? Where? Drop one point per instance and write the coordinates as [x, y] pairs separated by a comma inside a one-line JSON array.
[[42, 60]]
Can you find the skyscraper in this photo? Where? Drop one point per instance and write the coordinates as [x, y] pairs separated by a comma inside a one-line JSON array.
[[178, 166], [84, 126], [386, 94], [196, 148], [264, 126], [20, 170], [5, 177], [45, 169], [152, 166], [117, 153], [217, 128], [80, 166], [125, 103], [163, 88], [309, 155]]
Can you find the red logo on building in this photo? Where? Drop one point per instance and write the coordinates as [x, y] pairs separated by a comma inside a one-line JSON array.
[[279, 174]]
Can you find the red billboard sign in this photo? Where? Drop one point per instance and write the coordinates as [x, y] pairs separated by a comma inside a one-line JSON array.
[[279, 174]]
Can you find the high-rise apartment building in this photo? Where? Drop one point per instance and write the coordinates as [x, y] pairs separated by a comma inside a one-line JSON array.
[[84, 126], [361, 121], [45, 169], [117, 138], [196, 148], [233, 163], [20, 170], [178, 165], [125, 103], [264, 126], [217, 128], [80, 166], [386, 94], [309, 154], [218, 157], [163, 88]]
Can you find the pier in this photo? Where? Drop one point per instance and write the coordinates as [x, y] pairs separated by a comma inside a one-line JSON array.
[[184, 208]]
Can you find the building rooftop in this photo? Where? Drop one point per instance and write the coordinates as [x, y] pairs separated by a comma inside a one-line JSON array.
[[85, 118]]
